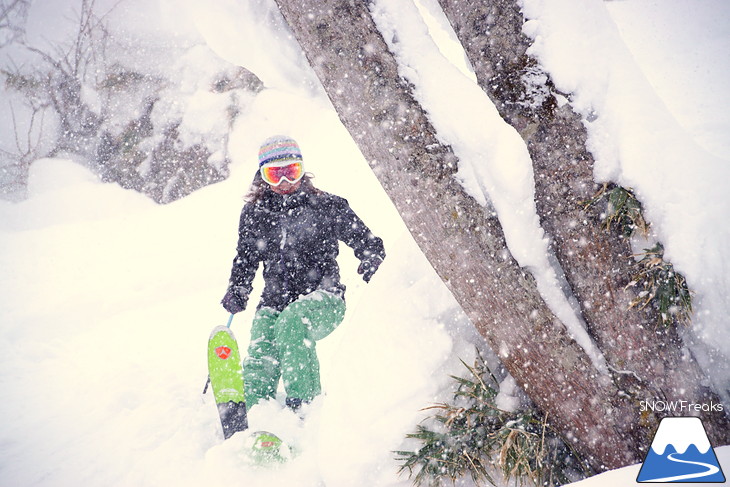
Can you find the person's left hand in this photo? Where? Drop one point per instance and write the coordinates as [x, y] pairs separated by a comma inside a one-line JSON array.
[[368, 267]]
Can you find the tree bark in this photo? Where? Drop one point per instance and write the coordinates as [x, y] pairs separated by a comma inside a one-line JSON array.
[[463, 241], [597, 263]]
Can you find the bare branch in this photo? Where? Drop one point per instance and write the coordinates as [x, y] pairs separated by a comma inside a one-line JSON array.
[[12, 15], [27, 150], [6, 10]]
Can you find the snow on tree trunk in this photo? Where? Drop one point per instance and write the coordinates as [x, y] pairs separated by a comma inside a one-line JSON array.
[[463, 241], [596, 262]]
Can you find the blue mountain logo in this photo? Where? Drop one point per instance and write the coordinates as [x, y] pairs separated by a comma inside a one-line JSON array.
[[681, 452]]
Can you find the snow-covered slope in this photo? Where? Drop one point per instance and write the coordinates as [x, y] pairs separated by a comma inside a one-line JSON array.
[[626, 477], [107, 300], [107, 303]]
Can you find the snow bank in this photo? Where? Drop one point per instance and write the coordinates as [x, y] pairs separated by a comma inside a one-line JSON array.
[[626, 477], [108, 299], [252, 34]]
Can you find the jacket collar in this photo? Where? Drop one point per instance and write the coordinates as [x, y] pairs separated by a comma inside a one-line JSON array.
[[277, 202]]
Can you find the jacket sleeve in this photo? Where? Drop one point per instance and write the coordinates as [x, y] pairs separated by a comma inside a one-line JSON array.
[[248, 254], [351, 230]]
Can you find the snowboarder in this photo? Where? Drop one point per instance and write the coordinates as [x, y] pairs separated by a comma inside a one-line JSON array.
[[294, 229]]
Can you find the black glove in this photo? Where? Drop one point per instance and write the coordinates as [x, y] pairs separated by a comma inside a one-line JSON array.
[[368, 267], [235, 300]]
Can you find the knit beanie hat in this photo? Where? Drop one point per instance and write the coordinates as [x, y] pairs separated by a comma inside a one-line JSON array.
[[279, 148]]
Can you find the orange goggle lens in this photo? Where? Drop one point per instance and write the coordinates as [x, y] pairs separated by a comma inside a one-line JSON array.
[[275, 174]]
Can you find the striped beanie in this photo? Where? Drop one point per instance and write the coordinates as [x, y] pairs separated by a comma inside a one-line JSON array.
[[279, 148]]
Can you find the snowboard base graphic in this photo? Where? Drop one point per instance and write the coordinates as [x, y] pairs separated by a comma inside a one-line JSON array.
[[265, 448], [226, 380]]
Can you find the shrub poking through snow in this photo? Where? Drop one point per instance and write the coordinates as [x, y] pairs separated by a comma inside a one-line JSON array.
[[662, 287], [472, 436], [659, 284], [623, 211]]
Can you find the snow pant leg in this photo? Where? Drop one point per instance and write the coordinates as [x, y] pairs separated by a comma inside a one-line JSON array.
[[261, 369], [297, 329]]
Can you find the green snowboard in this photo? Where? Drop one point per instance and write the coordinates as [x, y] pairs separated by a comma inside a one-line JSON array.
[[226, 379]]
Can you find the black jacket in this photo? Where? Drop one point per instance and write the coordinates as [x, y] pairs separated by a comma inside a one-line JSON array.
[[296, 237]]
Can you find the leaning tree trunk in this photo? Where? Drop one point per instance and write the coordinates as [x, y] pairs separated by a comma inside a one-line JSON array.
[[597, 263], [463, 241]]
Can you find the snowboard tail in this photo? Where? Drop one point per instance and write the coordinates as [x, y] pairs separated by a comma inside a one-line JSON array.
[[226, 380], [233, 417]]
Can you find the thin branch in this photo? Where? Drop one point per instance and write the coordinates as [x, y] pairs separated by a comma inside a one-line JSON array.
[[5, 13]]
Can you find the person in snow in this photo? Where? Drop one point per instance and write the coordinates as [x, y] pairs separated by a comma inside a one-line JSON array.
[[294, 229]]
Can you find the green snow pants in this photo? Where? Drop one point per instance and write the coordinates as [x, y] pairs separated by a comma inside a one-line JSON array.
[[283, 346]]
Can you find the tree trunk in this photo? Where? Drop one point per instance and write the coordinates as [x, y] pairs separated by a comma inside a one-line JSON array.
[[597, 263], [463, 241]]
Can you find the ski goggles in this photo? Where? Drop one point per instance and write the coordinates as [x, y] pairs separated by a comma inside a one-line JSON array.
[[277, 172]]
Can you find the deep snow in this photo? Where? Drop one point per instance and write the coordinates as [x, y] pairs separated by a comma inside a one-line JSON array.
[[107, 298]]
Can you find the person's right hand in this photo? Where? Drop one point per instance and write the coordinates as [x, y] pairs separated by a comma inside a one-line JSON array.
[[235, 300]]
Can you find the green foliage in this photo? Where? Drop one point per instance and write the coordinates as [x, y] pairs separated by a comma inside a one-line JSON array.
[[662, 287], [474, 437], [623, 210]]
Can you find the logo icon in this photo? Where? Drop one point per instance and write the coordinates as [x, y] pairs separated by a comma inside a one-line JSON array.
[[223, 352], [681, 452]]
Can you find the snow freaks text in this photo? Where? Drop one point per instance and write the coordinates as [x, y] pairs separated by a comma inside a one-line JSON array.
[[679, 406]]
